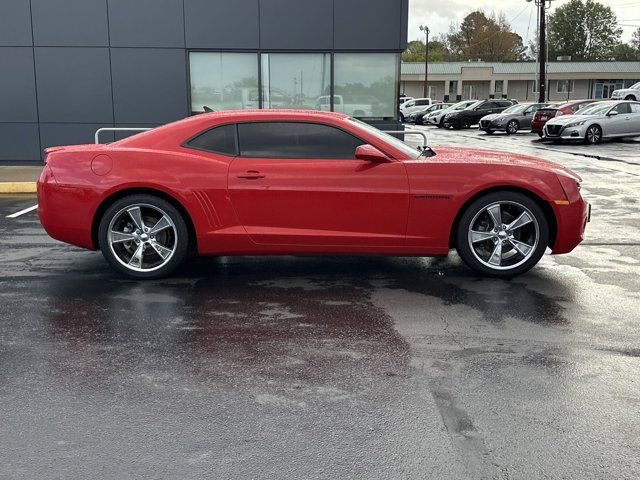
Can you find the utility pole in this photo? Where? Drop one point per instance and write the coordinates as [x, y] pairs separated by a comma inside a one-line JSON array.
[[425, 29], [542, 49]]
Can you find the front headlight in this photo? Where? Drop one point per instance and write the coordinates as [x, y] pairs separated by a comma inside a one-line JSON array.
[[575, 124]]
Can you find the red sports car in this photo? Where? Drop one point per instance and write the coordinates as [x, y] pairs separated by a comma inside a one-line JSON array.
[[269, 182]]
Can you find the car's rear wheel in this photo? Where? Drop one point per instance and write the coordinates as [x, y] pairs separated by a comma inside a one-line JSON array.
[[593, 135], [143, 236], [441, 123], [502, 234], [512, 127]]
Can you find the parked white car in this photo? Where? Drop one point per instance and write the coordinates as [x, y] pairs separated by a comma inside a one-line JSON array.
[[631, 93], [359, 106], [437, 118], [414, 105], [596, 122]]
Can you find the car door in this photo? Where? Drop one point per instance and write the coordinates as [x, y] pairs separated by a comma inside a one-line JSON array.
[[483, 109], [618, 123], [634, 127], [298, 183]]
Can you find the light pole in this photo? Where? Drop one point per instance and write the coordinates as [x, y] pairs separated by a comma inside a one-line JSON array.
[[542, 49], [425, 29]]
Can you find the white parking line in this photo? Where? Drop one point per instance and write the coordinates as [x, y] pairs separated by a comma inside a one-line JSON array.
[[22, 212]]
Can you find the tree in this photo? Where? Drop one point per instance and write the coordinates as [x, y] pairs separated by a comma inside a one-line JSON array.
[[625, 52], [416, 49], [483, 37], [585, 30], [635, 40]]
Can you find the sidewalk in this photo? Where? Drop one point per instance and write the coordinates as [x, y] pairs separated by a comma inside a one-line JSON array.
[[19, 179]]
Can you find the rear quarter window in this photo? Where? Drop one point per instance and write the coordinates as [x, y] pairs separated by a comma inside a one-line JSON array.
[[220, 139]]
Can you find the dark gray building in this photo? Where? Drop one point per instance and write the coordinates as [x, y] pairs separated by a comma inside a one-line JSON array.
[[69, 67]]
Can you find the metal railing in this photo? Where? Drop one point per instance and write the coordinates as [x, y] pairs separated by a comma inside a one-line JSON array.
[[117, 129], [410, 132]]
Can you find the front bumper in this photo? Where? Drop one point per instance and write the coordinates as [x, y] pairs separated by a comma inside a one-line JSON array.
[[572, 221], [451, 122], [564, 133], [488, 125]]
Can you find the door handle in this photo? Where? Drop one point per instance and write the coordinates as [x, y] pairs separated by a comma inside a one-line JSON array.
[[251, 175]]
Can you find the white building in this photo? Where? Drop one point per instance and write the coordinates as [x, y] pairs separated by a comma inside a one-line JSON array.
[[479, 80]]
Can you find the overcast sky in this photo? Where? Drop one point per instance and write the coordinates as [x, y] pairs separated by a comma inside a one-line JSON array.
[[438, 15]]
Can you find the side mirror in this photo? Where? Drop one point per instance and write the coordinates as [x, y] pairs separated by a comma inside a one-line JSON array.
[[612, 113], [369, 153]]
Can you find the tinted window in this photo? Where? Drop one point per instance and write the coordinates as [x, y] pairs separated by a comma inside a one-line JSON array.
[[219, 139], [635, 108], [623, 108], [295, 140], [422, 102]]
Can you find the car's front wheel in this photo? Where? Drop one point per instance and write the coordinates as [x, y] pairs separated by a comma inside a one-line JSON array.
[[502, 234], [143, 236], [593, 135], [630, 97], [465, 122], [512, 127]]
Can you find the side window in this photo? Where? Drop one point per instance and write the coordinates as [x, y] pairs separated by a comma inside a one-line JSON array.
[[295, 140], [422, 102], [623, 108], [635, 108], [410, 104], [220, 139]]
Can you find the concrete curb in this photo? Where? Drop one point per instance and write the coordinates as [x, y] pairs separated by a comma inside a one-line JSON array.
[[17, 187]]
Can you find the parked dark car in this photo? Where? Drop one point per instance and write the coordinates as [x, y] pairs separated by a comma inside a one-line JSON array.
[[512, 119], [543, 115], [474, 112], [419, 116]]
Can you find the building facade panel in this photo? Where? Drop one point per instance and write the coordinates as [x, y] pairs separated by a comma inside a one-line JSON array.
[[17, 90], [149, 85], [19, 143], [146, 23], [73, 84], [368, 24], [70, 23], [222, 24], [15, 23], [292, 24]]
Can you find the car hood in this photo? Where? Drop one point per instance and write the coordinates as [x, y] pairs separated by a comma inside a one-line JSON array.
[[565, 119], [624, 91], [457, 155], [491, 116]]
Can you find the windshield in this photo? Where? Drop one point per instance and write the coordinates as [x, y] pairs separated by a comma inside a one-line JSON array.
[[515, 108], [461, 105], [473, 105], [596, 109], [411, 152]]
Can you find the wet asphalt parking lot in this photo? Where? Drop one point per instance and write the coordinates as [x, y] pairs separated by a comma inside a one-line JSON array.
[[335, 367]]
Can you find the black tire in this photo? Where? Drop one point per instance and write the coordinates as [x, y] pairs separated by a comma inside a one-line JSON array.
[[489, 132], [540, 134], [512, 127], [472, 211], [402, 118], [630, 97], [465, 122], [179, 232], [593, 135]]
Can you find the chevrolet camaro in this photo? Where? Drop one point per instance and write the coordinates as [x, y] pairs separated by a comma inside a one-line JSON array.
[[285, 182]]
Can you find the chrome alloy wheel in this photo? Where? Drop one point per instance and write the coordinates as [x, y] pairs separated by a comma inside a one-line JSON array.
[[594, 135], [503, 235], [142, 237]]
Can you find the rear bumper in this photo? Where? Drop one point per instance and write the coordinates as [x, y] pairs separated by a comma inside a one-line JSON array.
[[65, 212], [572, 221]]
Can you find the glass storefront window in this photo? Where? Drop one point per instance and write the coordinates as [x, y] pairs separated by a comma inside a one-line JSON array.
[[365, 84], [296, 80], [223, 81]]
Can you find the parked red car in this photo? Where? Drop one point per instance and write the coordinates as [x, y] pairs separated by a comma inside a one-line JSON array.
[[263, 182], [543, 115]]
